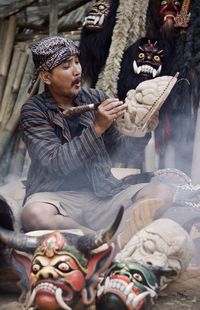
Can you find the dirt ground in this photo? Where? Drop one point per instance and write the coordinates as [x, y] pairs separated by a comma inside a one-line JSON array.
[[177, 302], [170, 302]]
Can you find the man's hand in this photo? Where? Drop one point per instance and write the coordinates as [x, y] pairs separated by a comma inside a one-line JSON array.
[[107, 112]]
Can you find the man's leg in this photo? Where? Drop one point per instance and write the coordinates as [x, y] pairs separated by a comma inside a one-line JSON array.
[[152, 190], [40, 215], [148, 198], [148, 204]]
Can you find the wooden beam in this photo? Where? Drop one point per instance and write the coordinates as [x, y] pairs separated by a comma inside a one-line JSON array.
[[74, 34], [3, 30], [53, 17], [6, 133], [73, 5], [41, 28], [8, 87], [7, 52], [8, 46], [15, 7], [23, 25], [3, 34]]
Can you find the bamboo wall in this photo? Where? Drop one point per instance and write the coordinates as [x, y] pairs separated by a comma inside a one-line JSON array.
[[17, 32], [15, 75]]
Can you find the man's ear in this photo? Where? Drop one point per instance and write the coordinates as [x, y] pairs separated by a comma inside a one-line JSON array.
[[45, 77]]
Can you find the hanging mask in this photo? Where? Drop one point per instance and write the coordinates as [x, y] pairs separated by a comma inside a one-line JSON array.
[[169, 9], [97, 15], [149, 60], [167, 13]]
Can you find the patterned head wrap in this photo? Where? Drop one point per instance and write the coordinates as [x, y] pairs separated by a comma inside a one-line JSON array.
[[50, 52]]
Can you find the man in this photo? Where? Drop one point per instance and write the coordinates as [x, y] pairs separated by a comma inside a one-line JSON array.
[[70, 184]]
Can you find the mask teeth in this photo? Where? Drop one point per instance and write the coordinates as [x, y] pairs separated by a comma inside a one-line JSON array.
[[60, 300], [139, 298], [101, 21], [31, 299]]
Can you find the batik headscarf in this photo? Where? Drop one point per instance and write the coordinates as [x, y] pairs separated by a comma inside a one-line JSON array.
[[50, 52]]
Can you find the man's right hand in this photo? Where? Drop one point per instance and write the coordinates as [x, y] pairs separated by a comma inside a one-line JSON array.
[[107, 112]]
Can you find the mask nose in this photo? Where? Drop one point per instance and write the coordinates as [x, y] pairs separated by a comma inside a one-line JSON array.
[[93, 11], [172, 6], [47, 273], [148, 57]]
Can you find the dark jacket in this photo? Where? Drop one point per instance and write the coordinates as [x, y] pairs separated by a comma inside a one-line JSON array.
[[58, 161]]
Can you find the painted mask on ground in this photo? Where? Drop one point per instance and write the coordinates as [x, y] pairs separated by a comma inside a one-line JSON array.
[[127, 286]]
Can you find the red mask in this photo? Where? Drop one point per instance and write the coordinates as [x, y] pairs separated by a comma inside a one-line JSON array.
[[61, 274], [169, 9]]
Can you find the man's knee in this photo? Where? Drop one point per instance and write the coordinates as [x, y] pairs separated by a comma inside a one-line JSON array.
[[162, 191], [35, 216]]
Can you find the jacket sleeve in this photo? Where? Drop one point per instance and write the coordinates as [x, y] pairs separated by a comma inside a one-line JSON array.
[[45, 147], [123, 149]]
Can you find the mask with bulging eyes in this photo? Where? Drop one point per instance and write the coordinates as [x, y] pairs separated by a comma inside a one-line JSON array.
[[57, 274], [61, 275], [97, 15], [149, 60], [58, 279], [127, 286]]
